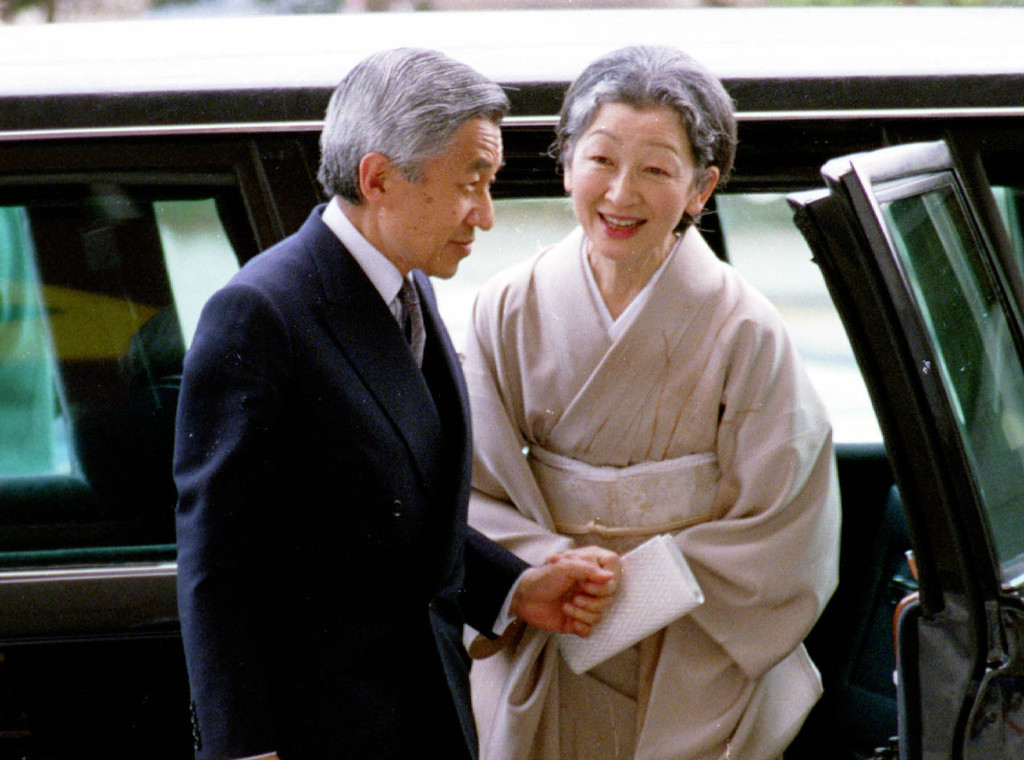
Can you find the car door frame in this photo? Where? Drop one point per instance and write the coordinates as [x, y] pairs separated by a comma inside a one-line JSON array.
[[961, 634]]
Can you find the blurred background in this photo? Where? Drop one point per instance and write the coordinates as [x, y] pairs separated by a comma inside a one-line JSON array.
[[42, 11]]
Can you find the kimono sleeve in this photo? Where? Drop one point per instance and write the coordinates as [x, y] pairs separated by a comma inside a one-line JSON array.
[[769, 563], [506, 504]]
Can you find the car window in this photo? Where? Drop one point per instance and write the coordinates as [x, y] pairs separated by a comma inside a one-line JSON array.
[[975, 354], [33, 437], [1010, 202], [101, 282], [766, 247], [197, 254], [762, 242]]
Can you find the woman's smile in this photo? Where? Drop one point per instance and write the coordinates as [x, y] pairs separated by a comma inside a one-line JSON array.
[[621, 225]]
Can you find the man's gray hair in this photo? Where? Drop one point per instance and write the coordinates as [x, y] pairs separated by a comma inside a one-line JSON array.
[[644, 76], [406, 104]]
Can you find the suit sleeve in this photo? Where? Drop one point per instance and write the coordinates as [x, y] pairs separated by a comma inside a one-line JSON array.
[[226, 453], [491, 572]]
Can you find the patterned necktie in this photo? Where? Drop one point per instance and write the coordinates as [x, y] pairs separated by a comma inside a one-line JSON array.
[[412, 319]]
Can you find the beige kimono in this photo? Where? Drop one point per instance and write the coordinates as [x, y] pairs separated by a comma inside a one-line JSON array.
[[693, 416]]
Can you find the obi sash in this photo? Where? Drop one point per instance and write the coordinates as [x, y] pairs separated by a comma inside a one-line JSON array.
[[620, 507]]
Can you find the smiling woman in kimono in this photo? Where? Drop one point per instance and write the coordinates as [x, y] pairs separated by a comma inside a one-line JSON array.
[[626, 383]]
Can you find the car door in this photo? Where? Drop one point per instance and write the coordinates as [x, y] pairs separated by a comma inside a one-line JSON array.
[[910, 243]]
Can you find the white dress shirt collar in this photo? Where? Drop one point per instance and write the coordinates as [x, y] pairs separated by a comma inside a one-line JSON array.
[[382, 273]]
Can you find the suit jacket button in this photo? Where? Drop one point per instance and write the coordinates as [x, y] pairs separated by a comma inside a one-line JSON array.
[[397, 508]]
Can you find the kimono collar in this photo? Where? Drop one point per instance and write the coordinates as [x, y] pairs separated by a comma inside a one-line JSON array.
[[617, 326]]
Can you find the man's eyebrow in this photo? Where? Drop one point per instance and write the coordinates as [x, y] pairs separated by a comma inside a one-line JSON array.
[[483, 164]]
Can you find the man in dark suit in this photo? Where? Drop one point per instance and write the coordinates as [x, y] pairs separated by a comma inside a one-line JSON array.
[[325, 566]]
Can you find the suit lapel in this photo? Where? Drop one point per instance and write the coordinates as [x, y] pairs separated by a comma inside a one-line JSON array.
[[367, 333], [446, 370], [442, 368]]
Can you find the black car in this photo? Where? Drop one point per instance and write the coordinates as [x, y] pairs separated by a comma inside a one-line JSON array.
[[142, 163]]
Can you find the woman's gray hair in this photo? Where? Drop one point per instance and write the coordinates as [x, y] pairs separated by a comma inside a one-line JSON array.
[[644, 76], [406, 104]]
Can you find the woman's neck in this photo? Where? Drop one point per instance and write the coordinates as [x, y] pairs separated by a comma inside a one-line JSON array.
[[619, 282]]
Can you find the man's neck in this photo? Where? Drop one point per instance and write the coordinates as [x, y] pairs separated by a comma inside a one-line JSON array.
[[367, 221]]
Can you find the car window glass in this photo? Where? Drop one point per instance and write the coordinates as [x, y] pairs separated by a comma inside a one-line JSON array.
[[976, 358], [197, 253], [101, 282], [1010, 202], [33, 435], [766, 247]]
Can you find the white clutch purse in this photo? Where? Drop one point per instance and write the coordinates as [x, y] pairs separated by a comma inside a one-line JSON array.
[[657, 587]]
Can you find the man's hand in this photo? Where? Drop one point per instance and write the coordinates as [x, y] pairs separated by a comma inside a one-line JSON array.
[[570, 592]]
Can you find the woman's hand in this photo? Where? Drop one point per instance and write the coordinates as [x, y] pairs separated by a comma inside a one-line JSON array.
[[570, 592], [589, 607]]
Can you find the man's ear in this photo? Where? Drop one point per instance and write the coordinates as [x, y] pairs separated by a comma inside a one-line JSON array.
[[375, 170]]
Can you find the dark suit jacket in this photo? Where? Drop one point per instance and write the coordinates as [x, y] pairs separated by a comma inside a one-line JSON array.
[[325, 568]]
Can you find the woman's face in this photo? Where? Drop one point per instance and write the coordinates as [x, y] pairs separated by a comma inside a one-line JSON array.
[[631, 177]]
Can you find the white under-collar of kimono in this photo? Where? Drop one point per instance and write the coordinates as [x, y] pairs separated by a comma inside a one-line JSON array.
[[616, 327]]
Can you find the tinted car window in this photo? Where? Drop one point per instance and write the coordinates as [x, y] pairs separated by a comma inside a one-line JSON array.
[[33, 437], [1010, 202], [102, 278], [976, 358]]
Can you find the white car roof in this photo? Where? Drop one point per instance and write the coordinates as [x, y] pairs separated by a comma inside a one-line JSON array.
[[508, 46]]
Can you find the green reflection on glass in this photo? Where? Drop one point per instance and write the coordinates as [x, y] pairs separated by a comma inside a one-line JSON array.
[[29, 412], [976, 357]]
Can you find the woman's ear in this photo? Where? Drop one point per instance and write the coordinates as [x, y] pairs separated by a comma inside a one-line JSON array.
[[705, 187]]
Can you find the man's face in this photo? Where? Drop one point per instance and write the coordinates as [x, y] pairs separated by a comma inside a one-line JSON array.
[[430, 224]]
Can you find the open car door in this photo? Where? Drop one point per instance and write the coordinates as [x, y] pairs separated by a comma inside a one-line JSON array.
[[918, 263]]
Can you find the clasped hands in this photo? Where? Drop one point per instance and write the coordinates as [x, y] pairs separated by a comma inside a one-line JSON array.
[[570, 592]]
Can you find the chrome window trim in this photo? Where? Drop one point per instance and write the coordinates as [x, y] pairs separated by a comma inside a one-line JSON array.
[[278, 127], [885, 113], [74, 573], [259, 128], [831, 115]]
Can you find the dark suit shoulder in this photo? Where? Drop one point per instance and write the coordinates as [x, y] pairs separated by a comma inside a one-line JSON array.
[[283, 270], [309, 268]]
